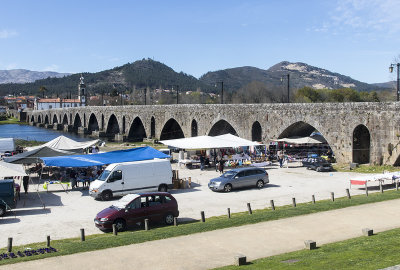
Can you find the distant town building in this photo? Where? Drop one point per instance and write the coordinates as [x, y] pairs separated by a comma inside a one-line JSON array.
[[56, 103], [20, 103]]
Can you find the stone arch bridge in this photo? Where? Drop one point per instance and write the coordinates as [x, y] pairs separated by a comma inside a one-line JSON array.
[[356, 132]]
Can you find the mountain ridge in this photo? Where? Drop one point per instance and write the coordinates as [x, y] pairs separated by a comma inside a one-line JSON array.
[[147, 73], [26, 76]]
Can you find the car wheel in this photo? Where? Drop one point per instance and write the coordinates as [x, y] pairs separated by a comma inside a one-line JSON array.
[[106, 195], [120, 225], [169, 219], [260, 184], [318, 169], [2, 210], [228, 188], [163, 188]]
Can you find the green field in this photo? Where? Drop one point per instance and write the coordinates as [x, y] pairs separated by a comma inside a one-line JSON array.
[[102, 241], [375, 252], [12, 120]]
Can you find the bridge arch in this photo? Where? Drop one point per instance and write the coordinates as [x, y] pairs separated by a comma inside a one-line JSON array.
[[256, 132], [361, 145], [222, 127], [137, 131], [55, 119], [46, 119], [171, 130], [77, 122], [304, 129], [93, 124], [65, 120], [300, 128], [32, 118], [112, 126], [194, 128]]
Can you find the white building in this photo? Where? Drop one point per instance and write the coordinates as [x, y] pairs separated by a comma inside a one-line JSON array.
[[56, 103]]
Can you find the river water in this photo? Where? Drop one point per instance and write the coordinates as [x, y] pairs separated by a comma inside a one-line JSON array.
[[32, 133]]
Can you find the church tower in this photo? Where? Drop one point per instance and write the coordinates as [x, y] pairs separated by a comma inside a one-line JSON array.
[[82, 95]]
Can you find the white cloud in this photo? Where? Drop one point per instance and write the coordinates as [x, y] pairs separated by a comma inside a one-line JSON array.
[[7, 33], [52, 67], [11, 66], [367, 15], [373, 18]]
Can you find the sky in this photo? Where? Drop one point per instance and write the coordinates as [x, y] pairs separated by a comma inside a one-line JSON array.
[[357, 38]]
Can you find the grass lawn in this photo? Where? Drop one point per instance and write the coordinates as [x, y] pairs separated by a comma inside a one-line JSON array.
[[101, 241], [375, 252], [12, 120], [366, 168]]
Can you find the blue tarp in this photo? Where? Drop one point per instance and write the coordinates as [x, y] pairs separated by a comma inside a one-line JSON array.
[[134, 154]]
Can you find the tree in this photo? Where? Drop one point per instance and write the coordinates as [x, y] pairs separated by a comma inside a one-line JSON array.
[[42, 89], [255, 92]]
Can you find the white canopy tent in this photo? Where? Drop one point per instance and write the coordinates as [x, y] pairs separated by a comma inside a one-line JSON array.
[[209, 142], [33, 156], [302, 140], [64, 143], [11, 170]]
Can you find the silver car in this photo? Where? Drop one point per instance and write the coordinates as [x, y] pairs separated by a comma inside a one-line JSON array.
[[239, 178]]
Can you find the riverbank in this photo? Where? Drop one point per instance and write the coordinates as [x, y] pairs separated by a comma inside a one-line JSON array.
[[12, 120]]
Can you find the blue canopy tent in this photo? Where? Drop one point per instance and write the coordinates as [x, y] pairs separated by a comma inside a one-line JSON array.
[[134, 154]]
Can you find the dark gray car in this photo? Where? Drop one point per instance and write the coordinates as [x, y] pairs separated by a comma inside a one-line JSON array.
[[239, 178]]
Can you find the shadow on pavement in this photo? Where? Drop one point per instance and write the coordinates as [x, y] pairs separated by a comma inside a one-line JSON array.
[[34, 199], [29, 212], [10, 219]]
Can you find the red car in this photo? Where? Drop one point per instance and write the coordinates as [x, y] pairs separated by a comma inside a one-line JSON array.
[[135, 208]]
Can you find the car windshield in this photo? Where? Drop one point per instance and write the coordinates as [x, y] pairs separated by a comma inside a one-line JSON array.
[[229, 174], [104, 175]]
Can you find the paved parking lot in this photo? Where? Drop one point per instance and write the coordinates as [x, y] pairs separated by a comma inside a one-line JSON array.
[[66, 213]]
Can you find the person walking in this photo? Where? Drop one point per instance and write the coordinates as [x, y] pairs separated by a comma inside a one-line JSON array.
[[201, 162], [280, 158], [25, 183], [221, 166]]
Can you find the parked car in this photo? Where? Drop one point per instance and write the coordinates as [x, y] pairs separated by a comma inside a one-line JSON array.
[[321, 165], [135, 208], [7, 195], [238, 178], [306, 162]]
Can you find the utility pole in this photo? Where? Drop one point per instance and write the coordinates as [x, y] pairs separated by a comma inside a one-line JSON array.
[[145, 96], [177, 94], [288, 87], [398, 77], [222, 90]]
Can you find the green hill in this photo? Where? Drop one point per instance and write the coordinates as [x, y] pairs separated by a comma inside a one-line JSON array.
[[131, 76]]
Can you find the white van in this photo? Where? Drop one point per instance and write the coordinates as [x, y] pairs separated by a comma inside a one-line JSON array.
[[132, 177]]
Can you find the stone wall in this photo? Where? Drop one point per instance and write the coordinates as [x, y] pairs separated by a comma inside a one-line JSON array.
[[335, 121]]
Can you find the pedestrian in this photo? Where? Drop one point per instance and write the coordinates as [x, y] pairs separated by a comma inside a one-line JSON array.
[[221, 166], [25, 183], [280, 158], [201, 162]]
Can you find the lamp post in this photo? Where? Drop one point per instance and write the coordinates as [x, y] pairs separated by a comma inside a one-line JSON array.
[[145, 96], [398, 81], [288, 86], [222, 90], [177, 93]]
